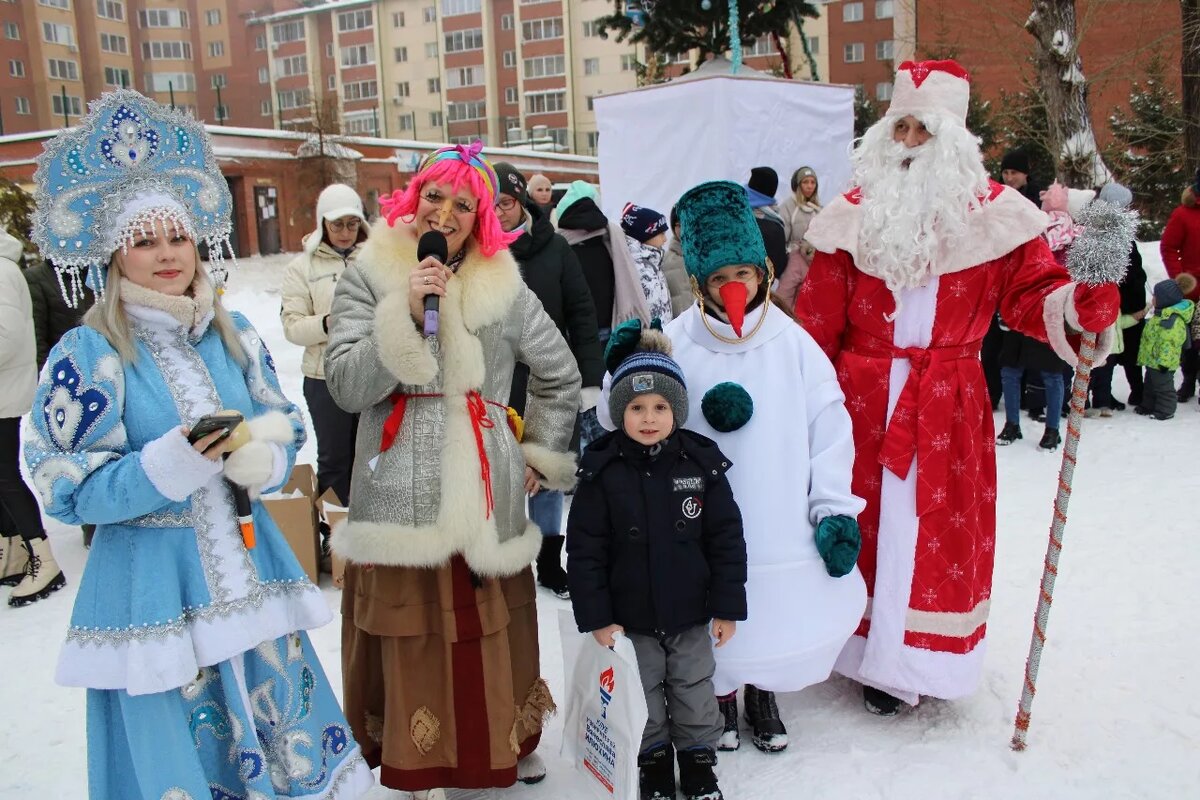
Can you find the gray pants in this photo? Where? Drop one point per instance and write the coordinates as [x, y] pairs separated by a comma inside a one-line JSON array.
[[677, 678], [1159, 392]]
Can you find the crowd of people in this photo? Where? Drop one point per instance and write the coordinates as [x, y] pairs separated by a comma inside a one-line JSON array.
[[774, 417]]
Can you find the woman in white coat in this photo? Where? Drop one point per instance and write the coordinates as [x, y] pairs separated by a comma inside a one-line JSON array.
[[308, 287], [25, 558]]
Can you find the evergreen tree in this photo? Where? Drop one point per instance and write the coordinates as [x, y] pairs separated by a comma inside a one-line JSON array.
[[1148, 152], [678, 26], [866, 113], [1021, 123]]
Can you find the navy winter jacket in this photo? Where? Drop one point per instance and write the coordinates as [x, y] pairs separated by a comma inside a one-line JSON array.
[[654, 538]]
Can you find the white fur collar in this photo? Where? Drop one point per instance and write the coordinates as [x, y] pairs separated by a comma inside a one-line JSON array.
[[487, 287], [192, 312], [1005, 222]]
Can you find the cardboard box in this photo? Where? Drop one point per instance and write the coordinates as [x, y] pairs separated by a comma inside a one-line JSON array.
[[335, 514], [297, 517]]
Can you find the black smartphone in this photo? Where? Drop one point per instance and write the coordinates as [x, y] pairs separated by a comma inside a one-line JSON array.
[[211, 423]]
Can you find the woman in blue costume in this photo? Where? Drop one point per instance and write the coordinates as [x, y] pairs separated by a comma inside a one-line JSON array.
[[202, 684]]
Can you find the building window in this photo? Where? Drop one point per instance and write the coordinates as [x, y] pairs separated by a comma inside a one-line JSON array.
[[474, 109], [292, 65], [12, 31], [167, 51], [221, 113], [112, 43], [260, 42], [506, 22], [814, 45], [401, 54], [883, 91], [264, 108], [398, 19], [459, 41], [115, 76], [510, 95], [329, 49], [535, 2], [453, 8], [435, 119], [593, 141], [216, 49], [163, 18], [591, 103], [296, 98], [218, 80], [763, 46], [362, 90], [58, 34], [537, 29], [431, 50], [510, 58], [405, 122], [434, 85], [356, 20], [74, 105], [429, 14], [469, 139], [883, 9], [264, 75], [212, 17], [459, 77], [883, 50], [63, 4], [545, 66], [545, 102], [591, 27], [63, 70], [853, 53], [852, 12], [591, 66], [288, 32], [628, 62], [360, 124], [358, 55], [403, 89], [22, 105], [332, 82], [110, 9], [168, 81], [16, 68]]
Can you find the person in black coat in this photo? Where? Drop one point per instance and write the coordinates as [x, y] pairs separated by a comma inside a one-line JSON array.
[[52, 317], [1133, 300], [585, 228], [552, 272], [655, 551]]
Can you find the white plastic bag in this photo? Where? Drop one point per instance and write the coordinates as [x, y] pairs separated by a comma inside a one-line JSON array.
[[606, 714]]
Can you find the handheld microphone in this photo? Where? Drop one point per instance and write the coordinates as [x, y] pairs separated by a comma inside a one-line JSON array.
[[432, 243]]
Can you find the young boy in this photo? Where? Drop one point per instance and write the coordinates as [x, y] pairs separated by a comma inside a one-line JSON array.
[[1164, 339], [655, 550]]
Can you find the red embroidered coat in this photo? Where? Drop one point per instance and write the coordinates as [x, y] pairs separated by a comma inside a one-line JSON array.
[[923, 432]]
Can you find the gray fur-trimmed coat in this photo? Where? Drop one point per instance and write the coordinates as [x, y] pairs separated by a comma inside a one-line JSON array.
[[423, 500]]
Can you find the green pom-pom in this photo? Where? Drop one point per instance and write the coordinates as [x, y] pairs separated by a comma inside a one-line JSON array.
[[727, 407], [623, 341]]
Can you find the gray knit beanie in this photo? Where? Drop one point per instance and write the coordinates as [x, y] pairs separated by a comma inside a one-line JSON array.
[[649, 370]]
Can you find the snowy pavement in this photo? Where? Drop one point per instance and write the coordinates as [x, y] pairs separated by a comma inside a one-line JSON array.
[[1117, 713]]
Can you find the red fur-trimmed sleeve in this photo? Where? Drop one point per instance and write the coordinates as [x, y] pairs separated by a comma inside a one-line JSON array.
[[823, 300]]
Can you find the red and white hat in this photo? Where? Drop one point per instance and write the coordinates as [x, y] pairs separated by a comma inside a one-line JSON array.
[[924, 86]]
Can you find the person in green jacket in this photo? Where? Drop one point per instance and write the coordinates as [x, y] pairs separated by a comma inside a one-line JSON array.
[[1163, 342]]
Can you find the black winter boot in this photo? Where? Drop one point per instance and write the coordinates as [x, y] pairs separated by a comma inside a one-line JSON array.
[[880, 703], [656, 773], [1009, 434], [763, 715], [1050, 440], [696, 778], [550, 572], [731, 738]]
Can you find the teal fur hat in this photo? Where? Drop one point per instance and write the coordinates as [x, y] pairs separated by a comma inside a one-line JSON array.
[[718, 229]]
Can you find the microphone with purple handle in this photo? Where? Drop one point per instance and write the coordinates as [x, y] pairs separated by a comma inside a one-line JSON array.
[[432, 243]]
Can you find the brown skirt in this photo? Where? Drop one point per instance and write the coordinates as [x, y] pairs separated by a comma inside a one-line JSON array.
[[441, 677]]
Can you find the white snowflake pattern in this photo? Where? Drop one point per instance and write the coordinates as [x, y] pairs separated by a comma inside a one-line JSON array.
[[939, 496], [958, 414], [857, 404], [989, 495], [933, 545], [957, 466], [874, 482], [954, 572], [941, 442], [930, 596], [958, 289], [941, 389], [958, 520], [988, 545]]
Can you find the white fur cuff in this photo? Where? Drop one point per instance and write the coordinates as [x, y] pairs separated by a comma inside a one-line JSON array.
[[1054, 315], [174, 467], [273, 426], [251, 465], [558, 469], [402, 349]]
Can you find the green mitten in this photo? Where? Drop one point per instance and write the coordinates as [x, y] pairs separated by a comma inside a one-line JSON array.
[[838, 541], [624, 340]]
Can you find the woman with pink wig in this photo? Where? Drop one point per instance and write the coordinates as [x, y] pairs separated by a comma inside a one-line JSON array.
[[439, 628]]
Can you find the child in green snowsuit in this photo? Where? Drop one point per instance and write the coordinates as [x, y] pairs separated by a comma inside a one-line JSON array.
[[1165, 338]]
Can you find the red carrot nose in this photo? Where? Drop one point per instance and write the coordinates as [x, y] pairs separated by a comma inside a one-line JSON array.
[[734, 295]]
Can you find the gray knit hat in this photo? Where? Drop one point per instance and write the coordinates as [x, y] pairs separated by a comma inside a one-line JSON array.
[[649, 370]]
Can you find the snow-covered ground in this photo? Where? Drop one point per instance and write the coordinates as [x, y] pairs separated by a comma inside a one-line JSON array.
[[1117, 714]]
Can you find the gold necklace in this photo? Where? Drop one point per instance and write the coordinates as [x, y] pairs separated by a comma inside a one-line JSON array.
[[762, 317]]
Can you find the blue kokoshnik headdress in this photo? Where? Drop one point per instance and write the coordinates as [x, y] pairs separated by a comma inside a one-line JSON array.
[[129, 163]]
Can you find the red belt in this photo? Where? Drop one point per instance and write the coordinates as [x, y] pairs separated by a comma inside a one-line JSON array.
[[476, 407], [918, 423]]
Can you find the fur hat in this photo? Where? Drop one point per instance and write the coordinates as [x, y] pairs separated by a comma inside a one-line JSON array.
[[511, 182], [649, 369], [641, 223], [1016, 160], [1187, 283], [925, 86], [336, 200], [717, 229]]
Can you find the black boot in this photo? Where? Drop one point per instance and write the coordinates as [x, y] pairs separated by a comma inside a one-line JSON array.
[[696, 778], [881, 703], [763, 715], [1050, 440], [550, 572], [656, 773], [1009, 434], [731, 738]]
